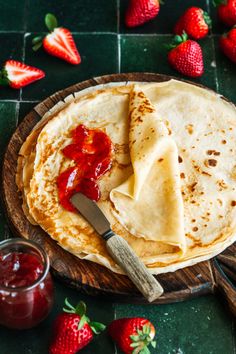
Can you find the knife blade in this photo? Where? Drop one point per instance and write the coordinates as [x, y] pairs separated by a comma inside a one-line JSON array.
[[118, 248]]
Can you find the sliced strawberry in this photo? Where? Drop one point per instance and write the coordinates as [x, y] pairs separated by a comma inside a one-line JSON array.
[[17, 74], [59, 42]]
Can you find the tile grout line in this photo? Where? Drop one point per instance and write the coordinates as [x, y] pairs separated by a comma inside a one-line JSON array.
[[11, 31], [208, 6], [115, 347], [23, 59], [118, 16], [17, 112], [118, 34], [147, 34], [95, 32], [233, 337], [214, 58], [25, 15], [15, 101], [119, 52]]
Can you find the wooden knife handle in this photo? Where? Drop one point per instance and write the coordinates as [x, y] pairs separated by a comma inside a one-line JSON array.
[[124, 255]]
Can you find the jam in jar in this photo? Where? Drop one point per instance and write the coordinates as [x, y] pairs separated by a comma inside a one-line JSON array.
[[26, 288]]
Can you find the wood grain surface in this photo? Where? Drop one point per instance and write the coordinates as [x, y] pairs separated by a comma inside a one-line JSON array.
[[91, 278]]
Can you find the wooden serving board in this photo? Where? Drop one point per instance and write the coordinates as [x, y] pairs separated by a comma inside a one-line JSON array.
[[91, 278]]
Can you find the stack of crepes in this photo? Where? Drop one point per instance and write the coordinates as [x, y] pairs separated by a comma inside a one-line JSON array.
[[171, 191]]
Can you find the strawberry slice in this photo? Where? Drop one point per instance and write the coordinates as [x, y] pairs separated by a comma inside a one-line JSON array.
[[59, 42], [17, 74]]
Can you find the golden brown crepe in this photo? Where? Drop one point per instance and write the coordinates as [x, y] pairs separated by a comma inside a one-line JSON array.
[[171, 190]]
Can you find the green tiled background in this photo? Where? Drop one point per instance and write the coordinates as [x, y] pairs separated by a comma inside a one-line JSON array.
[[199, 326]]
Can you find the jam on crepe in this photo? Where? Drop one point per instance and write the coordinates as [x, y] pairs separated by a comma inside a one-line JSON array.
[[91, 150]]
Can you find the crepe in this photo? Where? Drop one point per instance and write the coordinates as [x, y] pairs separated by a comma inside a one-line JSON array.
[[152, 213], [175, 206]]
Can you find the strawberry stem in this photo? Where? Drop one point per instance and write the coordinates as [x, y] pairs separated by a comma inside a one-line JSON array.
[[51, 22]]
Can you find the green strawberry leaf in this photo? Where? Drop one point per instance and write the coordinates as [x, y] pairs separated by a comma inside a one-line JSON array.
[[154, 344], [82, 322], [37, 39], [207, 19], [70, 308], [144, 350], [37, 46], [177, 39], [136, 350], [81, 309], [219, 2], [134, 338], [134, 345], [51, 22], [4, 81], [97, 327]]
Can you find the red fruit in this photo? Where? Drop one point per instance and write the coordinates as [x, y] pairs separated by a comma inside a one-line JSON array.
[[186, 57], [17, 74], [195, 22], [141, 11], [73, 330], [228, 44], [58, 43], [226, 11], [133, 335]]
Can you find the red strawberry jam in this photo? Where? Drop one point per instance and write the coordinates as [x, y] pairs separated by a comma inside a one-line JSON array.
[[19, 269], [26, 289], [91, 151]]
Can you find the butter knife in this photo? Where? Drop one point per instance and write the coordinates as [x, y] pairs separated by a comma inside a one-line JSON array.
[[118, 248]]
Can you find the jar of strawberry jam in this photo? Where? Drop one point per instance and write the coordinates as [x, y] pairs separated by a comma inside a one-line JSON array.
[[26, 288]]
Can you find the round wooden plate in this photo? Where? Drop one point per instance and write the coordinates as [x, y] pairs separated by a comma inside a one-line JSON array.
[[203, 278]]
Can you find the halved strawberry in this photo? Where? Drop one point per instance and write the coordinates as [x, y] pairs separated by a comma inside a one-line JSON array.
[[17, 74], [58, 43]]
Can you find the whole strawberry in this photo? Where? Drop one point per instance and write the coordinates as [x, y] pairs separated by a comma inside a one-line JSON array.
[[186, 57], [195, 22], [133, 335], [73, 330], [141, 11], [226, 11], [228, 44], [59, 42]]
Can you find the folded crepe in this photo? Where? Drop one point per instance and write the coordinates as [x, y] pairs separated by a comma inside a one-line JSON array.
[[171, 190], [149, 203]]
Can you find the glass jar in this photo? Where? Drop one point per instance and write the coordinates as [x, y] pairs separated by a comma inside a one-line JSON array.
[[26, 288]]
